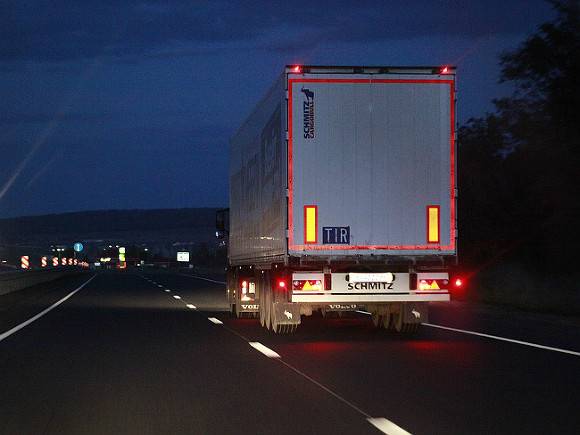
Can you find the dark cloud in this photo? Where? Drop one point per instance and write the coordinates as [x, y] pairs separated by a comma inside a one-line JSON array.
[[130, 104], [63, 30]]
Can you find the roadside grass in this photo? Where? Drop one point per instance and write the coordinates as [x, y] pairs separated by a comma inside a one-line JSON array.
[[531, 290]]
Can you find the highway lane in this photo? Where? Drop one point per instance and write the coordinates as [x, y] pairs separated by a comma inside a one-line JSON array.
[[124, 356], [17, 306], [438, 381]]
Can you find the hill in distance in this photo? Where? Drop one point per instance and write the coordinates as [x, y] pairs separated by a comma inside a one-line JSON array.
[[137, 226]]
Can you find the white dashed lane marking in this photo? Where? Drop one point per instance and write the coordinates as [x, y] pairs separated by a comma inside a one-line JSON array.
[[387, 426], [263, 349], [214, 320]]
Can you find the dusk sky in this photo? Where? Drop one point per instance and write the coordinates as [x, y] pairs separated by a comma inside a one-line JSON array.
[[130, 104]]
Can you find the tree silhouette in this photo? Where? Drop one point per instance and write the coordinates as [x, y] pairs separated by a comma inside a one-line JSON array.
[[519, 167]]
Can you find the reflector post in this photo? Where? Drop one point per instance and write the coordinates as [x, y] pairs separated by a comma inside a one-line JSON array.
[[433, 223], [310, 224]]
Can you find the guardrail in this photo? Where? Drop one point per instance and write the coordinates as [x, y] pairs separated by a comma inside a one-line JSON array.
[[13, 281]]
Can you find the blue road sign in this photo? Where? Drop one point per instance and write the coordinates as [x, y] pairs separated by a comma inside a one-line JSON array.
[[78, 247]]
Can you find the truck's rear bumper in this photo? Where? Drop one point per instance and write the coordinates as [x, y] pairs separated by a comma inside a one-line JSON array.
[[369, 298]]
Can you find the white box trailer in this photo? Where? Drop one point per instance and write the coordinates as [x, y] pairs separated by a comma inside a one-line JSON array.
[[343, 195]]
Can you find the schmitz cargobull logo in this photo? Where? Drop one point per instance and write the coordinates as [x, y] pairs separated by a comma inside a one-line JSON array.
[[308, 111]]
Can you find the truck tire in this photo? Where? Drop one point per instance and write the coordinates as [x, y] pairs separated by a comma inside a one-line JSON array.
[[399, 325], [263, 313], [397, 321], [229, 290], [328, 314], [265, 298], [387, 318], [268, 294]]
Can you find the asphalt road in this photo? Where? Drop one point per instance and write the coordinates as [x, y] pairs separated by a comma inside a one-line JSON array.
[[123, 355]]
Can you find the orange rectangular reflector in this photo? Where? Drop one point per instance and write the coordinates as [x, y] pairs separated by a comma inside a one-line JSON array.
[[310, 224], [432, 224]]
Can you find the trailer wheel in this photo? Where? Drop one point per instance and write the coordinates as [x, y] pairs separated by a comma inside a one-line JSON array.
[[411, 328], [268, 303], [388, 318], [396, 322], [230, 286], [403, 327], [328, 314], [263, 314]]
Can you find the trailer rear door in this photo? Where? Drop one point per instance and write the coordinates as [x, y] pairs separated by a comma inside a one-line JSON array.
[[371, 164]]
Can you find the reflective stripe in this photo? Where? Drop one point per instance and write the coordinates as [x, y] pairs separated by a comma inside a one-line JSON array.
[[432, 224], [310, 224]]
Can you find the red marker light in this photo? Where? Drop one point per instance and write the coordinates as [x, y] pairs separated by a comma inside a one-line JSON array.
[[296, 69], [444, 70]]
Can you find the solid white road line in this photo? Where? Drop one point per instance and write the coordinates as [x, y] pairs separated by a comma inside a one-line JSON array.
[[42, 313], [159, 285], [191, 306], [167, 290], [495, 337], [203, 278], [387, 426], [176, 297], [263, 349], [214, 320], [509, 340]]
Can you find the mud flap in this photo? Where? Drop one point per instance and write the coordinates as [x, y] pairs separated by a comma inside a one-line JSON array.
[[287, 313], [415, 312]]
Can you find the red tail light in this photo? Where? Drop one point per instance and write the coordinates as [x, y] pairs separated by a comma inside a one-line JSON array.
[[281, 284], [458, 282]]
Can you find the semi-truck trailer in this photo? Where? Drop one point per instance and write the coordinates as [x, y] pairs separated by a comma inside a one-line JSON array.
[[343, 196]]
